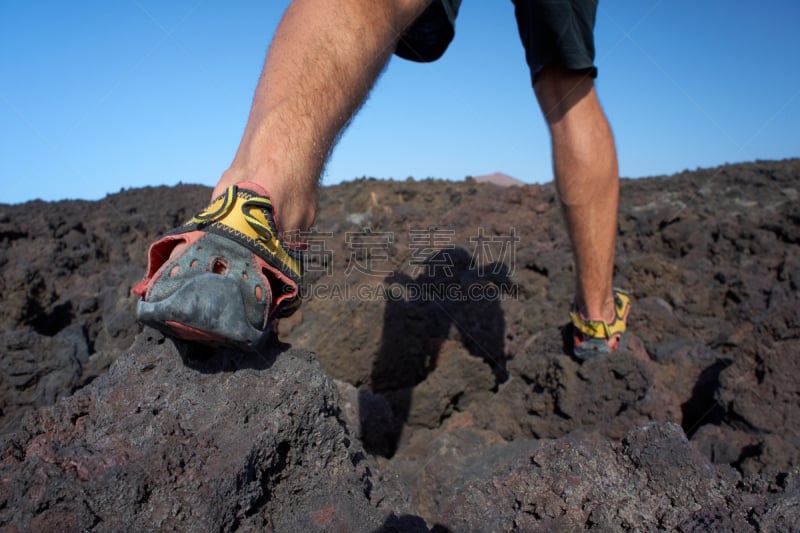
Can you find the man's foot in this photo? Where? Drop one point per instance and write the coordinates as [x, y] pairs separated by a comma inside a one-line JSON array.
[[224, 275], [591, 338]]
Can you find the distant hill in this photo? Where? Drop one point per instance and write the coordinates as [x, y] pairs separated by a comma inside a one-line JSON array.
[[498, 178]]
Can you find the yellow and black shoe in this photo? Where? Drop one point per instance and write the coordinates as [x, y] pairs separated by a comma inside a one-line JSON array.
[[223, 276], [592, 338]]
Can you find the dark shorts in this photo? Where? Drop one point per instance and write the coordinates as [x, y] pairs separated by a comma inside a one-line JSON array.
[[430, 35], [553, 32], [557, 32]]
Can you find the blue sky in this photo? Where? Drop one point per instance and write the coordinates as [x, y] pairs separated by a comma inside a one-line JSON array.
[[96, 96]]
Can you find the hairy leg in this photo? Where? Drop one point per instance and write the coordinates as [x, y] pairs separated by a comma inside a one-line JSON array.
[[587, 179], [323, 60]]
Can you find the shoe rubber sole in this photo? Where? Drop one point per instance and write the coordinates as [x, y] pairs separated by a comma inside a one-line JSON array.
[[208, 308], [594, 348]]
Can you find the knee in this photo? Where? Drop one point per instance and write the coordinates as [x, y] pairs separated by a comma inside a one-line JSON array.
[[559, 90], [410, 9]]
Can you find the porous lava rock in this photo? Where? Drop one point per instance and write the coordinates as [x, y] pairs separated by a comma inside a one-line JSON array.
[[193, 442], [438, 310]]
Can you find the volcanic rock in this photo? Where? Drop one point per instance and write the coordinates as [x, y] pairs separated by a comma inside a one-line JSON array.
[[193, 442], [441, 393]]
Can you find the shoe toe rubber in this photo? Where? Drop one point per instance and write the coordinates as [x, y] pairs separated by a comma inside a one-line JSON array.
[[208, 306], [596, 348]]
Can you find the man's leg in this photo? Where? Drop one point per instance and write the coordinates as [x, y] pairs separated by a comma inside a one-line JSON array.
[[587, 179], [224, 276], [323, 60]]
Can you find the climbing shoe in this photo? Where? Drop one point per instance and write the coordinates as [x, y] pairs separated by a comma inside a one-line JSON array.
[[592, 338], [224, 276]]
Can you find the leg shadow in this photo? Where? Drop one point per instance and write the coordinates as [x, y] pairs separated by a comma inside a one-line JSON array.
[[446, 292]]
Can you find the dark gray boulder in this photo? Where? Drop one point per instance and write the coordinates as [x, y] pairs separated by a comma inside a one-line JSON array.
[[654, 480], [193, 442]]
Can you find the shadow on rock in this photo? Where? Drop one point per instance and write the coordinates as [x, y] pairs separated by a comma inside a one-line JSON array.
[[448, 292], [214, 359]]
